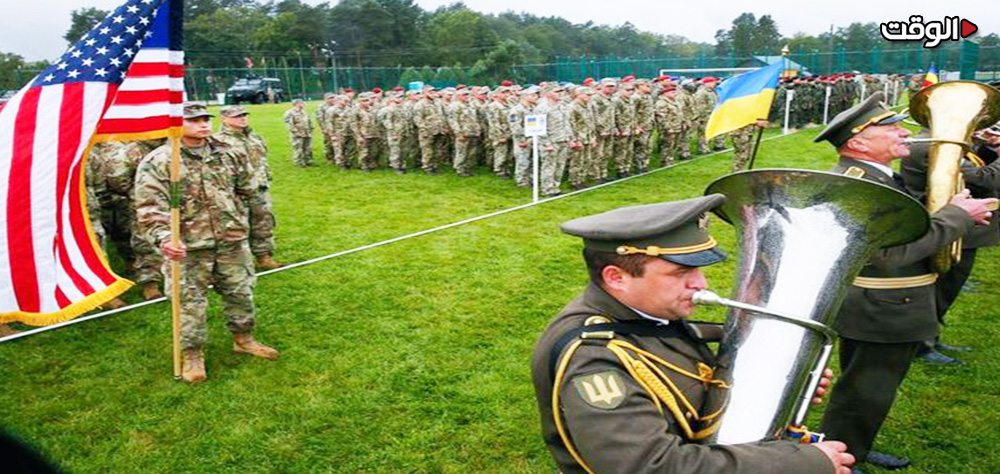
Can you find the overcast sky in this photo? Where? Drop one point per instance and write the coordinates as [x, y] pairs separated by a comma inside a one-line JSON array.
[[34, 28]]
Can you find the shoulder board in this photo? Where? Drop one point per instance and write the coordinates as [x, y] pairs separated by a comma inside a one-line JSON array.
[[855, 172], [595, 329]]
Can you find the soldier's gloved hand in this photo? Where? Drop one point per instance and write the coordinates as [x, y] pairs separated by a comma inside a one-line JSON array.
[[173, 253]]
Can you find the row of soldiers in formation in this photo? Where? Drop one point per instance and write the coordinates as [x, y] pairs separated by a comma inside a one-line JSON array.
[[595, 130], [111, 196], [809, 99]]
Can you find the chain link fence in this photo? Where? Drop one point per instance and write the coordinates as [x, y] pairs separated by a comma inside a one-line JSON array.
[[302, 80]]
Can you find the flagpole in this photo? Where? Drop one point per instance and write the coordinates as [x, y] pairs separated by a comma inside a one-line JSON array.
[[175, 241], [756, 144]]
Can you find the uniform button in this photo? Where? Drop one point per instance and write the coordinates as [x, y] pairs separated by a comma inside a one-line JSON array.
[[906, 300]]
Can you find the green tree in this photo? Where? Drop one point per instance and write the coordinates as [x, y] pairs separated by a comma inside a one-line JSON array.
[[82, 21]]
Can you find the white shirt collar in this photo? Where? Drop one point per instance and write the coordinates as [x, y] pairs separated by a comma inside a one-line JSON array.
[[883, 168], [651, 318]]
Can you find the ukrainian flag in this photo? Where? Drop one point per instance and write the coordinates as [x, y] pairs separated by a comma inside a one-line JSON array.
[[744, 99], [930, 78]]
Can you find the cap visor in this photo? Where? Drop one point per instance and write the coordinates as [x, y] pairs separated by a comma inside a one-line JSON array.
[[698, 259], [893, 119]]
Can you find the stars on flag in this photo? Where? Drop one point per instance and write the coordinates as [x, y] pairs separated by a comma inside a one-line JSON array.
[[103, 53]]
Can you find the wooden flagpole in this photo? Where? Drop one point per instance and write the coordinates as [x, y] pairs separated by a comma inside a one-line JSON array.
[[175, 241]]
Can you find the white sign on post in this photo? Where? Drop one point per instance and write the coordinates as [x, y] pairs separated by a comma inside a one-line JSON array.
[[535, 126]]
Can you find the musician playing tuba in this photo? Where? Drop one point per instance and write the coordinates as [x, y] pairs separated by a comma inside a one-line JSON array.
[[890, 308], [621, 376]]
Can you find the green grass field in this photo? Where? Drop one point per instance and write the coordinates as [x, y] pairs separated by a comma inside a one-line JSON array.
[[414, 357]]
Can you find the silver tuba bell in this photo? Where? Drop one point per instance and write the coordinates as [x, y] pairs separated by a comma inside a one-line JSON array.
[[803, 237]]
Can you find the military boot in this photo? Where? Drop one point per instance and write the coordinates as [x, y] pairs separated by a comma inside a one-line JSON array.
[[266, 262], [244, 343], [194, 366], [151, 291], [115, 304]]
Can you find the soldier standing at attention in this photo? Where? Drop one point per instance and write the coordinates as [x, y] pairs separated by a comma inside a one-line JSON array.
[[889, 310], [236, 133], [595, 363], [704, 102], [300, 130], [338, 124], [689, 114], [499, 131], [217, 180], [522, 144], [148, 263], [624, 126], [604, 118], [324, 125], [644, 119], [465, 125], [583, 139], [395, 121], [365, 131], [428, 120], [669, 122], [552, 147]]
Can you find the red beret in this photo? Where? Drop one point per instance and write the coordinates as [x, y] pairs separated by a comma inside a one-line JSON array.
[[707, 80], [628, 78], [662, 78], [398, 89], [506, 83], [377, 90], [588, 81], [348, 90]]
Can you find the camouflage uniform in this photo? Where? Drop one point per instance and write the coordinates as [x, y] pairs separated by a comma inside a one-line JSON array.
[[553, 147], [96, 189], [704, 101], [584, 136], [669, 122], [365, 136], [262, 222], [217, 181], [499, 135], [743, 141], [643, 104], [300, 130], [688, 119], [116, 209], [521, 144], [338, 124], [321, 119], [429, 122], [625, 126], [465, 125], [395, 122], [147, 262], [604, 119]]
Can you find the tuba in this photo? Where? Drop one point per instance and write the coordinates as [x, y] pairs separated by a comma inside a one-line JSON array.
[[803, 237], [952, 111]]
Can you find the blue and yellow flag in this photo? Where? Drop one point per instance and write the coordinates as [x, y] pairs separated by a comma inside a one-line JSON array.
[[744, 99]]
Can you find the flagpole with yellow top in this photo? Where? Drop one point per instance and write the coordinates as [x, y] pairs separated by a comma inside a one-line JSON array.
[[175, 241]]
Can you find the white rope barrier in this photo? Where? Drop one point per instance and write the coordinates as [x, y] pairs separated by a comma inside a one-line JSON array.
[[380, 244]]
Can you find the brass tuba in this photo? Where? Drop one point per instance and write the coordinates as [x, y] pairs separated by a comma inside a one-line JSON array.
[[952, 111], [803, 237]]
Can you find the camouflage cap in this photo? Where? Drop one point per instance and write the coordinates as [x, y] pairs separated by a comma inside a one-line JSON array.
[[193, 110], [668, 230], [855, 119], [233, 111], [585, 90], [328, 95], [609, 81]]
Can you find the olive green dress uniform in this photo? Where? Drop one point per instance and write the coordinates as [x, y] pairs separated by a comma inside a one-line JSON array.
[[596, 414], [888, 310], [983, 181]]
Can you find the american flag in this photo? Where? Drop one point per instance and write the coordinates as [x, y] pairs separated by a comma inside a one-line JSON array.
[[122, 80]]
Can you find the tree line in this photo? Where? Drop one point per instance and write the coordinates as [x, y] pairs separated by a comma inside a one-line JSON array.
[[399, 33]]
